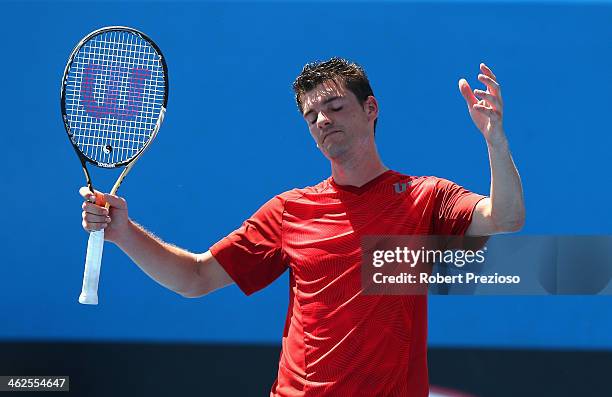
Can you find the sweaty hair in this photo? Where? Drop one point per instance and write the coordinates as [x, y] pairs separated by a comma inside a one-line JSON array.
[[350, 74]]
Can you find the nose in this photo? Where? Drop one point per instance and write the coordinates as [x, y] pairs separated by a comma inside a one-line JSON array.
[[323, 120]]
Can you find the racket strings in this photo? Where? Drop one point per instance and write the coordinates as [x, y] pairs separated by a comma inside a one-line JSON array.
[[115, 90]]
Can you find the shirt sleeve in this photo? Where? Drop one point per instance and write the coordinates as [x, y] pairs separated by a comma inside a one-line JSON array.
[[252, 254], [454, 207]]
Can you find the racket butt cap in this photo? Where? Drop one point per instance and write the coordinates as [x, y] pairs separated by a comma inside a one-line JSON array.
[[85, 299]]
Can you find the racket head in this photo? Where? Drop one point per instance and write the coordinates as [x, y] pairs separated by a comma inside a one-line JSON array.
[[114, 95]]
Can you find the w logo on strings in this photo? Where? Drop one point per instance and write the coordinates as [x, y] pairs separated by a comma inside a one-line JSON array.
[[110, 88]]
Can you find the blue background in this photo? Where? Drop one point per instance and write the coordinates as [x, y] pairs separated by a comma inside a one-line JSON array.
[[233, 138]]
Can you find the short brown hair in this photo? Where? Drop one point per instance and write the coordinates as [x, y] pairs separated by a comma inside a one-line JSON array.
[[350, 74]]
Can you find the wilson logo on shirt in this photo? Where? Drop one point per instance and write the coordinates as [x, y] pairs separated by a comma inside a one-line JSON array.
[[400, 187]]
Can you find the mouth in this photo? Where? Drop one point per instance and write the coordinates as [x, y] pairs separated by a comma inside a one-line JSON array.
[[328, 134]]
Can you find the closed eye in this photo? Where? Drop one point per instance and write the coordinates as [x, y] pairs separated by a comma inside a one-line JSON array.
[[336, 109]]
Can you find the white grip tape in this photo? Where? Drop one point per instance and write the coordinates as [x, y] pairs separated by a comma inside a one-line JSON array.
[[93, 261]]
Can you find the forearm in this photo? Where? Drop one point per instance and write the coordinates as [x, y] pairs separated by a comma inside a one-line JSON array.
[[170, 266], [507, 203]]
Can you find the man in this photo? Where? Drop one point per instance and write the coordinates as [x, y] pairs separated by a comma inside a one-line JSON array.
[[338, 341]]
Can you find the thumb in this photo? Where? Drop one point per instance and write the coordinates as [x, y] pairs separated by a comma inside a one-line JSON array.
[[98, 198], [466, 91], [115, 201]]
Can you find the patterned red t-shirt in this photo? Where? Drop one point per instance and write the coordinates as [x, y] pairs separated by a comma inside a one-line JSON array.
[[337, 341]]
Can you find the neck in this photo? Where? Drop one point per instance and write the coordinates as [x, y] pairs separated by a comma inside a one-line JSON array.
[[358, 169]]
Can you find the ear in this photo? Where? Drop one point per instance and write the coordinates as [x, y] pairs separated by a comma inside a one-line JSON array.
[[370, 106]]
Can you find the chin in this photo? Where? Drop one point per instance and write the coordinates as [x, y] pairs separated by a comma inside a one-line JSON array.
[[336, 152]]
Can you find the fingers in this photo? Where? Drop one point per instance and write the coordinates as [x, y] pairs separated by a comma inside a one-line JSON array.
[[86, 194], [493, 93], [93, 226], [485, 70], [116, 201], [95, 217], [94, 209], [490, 98], [88, 217], [491, 84], [488, 103], [101, 199], [466, 91], [95, 213], [89, 196]]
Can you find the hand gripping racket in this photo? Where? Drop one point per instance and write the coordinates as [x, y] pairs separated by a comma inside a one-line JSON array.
[[113, 98]]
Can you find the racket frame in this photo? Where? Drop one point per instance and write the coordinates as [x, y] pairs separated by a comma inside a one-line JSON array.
[[82, 157]]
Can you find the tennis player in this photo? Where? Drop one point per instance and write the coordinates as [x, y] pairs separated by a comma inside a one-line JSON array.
[[338, 341]]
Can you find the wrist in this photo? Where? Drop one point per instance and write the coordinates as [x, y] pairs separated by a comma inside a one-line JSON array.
[[124, 234], [497, 141]]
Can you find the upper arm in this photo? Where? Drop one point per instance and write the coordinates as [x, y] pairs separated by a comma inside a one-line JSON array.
[[482, 223], [210, 276]]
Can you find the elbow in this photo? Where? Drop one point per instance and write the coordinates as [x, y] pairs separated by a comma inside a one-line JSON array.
[[207, 277], [196, 290], [197, 284], [515, 226], [519, 220], [192, 294], [201, 282], [512, 224]]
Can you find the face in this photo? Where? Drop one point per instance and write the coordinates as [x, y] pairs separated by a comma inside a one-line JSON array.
[[339, 124]]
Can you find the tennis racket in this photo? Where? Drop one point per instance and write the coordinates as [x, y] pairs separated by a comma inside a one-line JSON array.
[[113, 99]]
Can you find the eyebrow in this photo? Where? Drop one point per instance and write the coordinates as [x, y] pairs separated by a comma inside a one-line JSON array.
[[325, 102]]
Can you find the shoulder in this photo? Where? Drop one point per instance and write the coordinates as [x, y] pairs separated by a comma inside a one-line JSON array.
[[277, 203], [297, 194], [425, 186], [420, 183], [432, 182]]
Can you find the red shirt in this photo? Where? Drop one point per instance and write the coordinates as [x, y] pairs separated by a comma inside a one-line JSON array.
[[338, 342]]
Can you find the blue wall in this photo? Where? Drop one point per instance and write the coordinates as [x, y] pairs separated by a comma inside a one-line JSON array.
[[232, 138]]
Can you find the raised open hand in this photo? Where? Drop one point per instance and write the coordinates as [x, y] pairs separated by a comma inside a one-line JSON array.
[[486, 112]]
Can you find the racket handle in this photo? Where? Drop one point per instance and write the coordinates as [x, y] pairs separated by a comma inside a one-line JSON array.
[[93, 261]]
